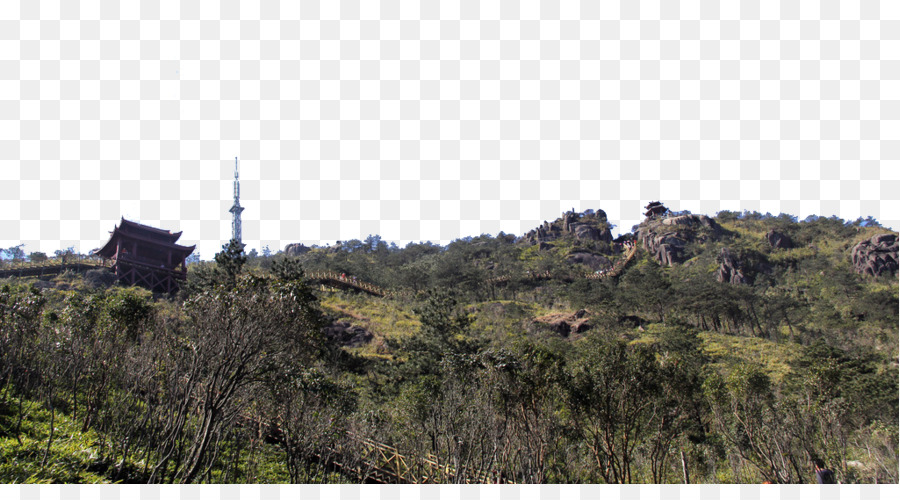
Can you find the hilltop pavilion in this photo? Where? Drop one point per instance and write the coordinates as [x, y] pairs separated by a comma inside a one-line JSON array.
[[146, 256]]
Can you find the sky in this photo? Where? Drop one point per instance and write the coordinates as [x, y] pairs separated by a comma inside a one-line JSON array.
[[440, 120]]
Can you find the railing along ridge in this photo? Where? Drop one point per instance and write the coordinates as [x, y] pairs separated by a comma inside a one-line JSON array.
[[604, 273]]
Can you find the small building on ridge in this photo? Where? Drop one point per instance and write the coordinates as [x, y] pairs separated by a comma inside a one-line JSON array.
[[146, 256]]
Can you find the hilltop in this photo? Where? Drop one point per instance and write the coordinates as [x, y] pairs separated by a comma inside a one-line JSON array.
[[733, 348]]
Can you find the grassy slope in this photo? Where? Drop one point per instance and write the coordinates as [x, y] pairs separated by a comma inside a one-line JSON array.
[[72, 457]]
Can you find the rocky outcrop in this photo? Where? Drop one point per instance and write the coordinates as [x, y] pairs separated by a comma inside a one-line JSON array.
[[295, 249], [666, 248], [591, 260], [348, 335], [593, 227], [729, 270], [876, 256], [563, 324], [779, 240], [587, 232], [665, 240], [692, 221]]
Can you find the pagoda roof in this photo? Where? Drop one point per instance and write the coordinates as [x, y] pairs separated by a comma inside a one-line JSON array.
[[132, 227], [145, 234]]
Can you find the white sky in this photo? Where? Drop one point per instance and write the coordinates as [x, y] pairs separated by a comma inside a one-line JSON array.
[[436, 120]]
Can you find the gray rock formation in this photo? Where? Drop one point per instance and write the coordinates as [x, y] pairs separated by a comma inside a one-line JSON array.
[[563, 324], [591, 260], [692, 221], [347, 335], [295, 249], [588, 232], [876, 256], [666, 239], [589, 227], [729, 270], [779, 240], [666, 248]]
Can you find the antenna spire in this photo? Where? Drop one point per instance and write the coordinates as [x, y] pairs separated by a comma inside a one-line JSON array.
[[236, 209]]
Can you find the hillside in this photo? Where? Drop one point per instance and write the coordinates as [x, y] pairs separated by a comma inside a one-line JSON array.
[[726, 348]]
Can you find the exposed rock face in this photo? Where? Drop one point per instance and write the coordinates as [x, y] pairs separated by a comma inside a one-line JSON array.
[[295, 249], [779, 240], [667, 248], [564, 324], [666, 239], [592, 228], [586, 232], [876, 256], [691, 220], [347, 335], [593, 261], [729, 270]]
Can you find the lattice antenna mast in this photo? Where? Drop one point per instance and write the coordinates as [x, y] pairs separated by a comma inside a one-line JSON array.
[[236, 209]]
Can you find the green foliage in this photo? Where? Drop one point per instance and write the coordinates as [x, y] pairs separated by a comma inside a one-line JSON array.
[[443, 335], [15, 253], [287, 268], [72, 457], [678, 377], [230, 260], [99, 278], [37, 257]]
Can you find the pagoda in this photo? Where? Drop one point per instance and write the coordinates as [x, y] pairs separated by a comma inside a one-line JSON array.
[[655, 209], [146, 256]]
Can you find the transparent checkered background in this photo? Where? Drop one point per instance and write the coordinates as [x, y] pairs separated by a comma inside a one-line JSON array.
[[436, 120]]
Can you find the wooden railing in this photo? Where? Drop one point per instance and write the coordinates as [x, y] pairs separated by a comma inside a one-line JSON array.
[[604, 273], [349, 282], [49, 266]]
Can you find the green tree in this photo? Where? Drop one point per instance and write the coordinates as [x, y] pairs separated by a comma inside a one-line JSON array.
[[612, 395], [231, 259], [748, 415], [287, 268], [15, 253], [37, 257], [443, 335]]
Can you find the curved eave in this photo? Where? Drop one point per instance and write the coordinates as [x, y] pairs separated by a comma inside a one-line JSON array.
[[109, 249], [137, 228]]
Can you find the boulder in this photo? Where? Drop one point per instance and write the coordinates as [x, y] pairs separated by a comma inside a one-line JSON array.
[[584, 227], [348, 335], [667, 248], [729, 270], [666, 239], [591, 260], [778, 240], [295, 249], [693, 221], [563, 324], [681, 220], [876, 256], [588, 232]]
